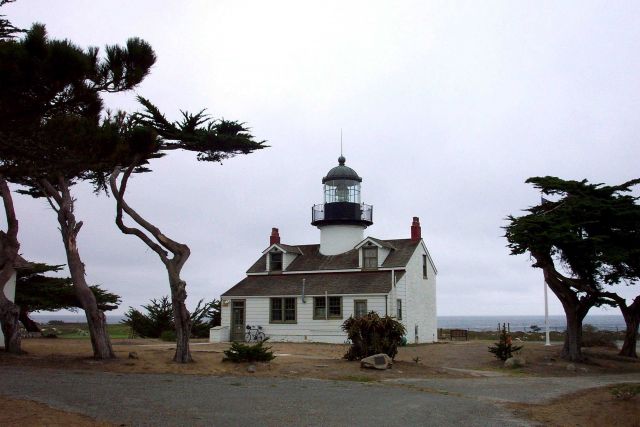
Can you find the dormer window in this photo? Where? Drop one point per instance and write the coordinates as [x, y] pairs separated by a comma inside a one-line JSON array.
[[275, 263], [370, 257]]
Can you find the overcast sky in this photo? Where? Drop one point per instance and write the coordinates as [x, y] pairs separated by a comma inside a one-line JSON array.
[[446, 109]]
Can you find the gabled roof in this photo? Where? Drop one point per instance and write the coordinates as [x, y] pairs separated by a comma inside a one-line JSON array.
[[378, 242], [369, 282], [284, 248], [312, 260]]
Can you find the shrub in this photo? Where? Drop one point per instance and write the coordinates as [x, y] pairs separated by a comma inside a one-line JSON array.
[[50, 333], [626, 391], [240, 352], [592, 337], [504, 349], [159, 318], [168, 336], [372, 334], [56, 322], [204, 318]]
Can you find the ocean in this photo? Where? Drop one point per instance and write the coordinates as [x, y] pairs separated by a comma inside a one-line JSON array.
[[524, 323], [472, 323]]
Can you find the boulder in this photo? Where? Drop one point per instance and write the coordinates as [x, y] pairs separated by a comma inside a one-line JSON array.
[[515, 362], [251, 369], [571, 367], [377, 361]]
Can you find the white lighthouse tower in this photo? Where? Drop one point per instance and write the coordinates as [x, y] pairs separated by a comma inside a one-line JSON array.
[[342, 217]]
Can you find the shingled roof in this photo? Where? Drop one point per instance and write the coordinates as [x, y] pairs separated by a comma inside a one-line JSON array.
[[369, 282], [312, 260]]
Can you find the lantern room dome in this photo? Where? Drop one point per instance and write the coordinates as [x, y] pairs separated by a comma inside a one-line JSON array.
[[341, 172]]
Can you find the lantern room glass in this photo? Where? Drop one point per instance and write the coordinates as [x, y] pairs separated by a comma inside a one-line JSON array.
[[342, 190]]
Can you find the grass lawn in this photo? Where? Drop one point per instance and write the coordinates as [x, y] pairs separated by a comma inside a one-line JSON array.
[[81, 331]]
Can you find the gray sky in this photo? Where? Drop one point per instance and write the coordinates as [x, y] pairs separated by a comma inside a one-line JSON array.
[[446, 108]]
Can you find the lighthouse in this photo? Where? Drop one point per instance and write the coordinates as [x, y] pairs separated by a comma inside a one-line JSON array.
[[304, 293], [342, 217]]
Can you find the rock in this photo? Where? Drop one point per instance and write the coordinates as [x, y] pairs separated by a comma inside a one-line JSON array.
[[133, 355], [571, 367], [251, 369], [515, 362], [585, 370], [377, 361]]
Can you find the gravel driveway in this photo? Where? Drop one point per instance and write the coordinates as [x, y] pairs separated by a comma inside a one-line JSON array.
[[185, 400]]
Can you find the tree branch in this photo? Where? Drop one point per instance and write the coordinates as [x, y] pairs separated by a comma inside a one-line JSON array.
[[180, 251], [121, 205]]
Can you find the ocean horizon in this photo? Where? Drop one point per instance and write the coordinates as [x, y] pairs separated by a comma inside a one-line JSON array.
[[607, 322]]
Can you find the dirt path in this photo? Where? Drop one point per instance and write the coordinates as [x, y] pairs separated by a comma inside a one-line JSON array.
[[446, 384], [173, 400], [166, 399], [516, 389]]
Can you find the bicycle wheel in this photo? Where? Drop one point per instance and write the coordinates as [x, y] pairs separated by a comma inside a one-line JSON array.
[[247, 337], [260, 336]]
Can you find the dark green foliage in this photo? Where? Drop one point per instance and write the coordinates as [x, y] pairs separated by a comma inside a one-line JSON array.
[[37, 292], [51, 106], [159, 318], [240, 352], [168, 336], [7, 30], [504, 349], [372, 334], [205, 317], [593, 230], [212, 140]]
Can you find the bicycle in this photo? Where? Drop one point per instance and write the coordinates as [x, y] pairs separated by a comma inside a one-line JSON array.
[[254, 334]]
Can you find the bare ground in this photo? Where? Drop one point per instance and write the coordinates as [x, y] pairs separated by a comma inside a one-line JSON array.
[[451, 359]]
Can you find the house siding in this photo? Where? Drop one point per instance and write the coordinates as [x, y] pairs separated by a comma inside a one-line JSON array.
[[306, 328], [419, 302]]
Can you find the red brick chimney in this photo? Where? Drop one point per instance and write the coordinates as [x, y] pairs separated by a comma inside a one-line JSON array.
[[275, 236], [416, 231]]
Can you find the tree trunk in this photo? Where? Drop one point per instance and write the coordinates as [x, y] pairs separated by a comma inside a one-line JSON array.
[[9, 247], [575, 307], [631, 316], [69, 230], [160, 244], [181, 317], [572, 349], [27, 321], [10, 325]]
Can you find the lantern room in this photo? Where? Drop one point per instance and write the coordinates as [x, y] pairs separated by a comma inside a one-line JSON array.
[[342, 203]]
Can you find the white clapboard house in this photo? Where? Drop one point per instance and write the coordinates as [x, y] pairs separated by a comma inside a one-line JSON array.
[[303, 293]]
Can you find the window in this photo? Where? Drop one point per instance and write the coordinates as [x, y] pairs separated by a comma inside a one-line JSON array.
[[335, 307], [424, 266], [283, 310], [370, 257], [359, 308], [320, 310], [399, 309], [276, 261]]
